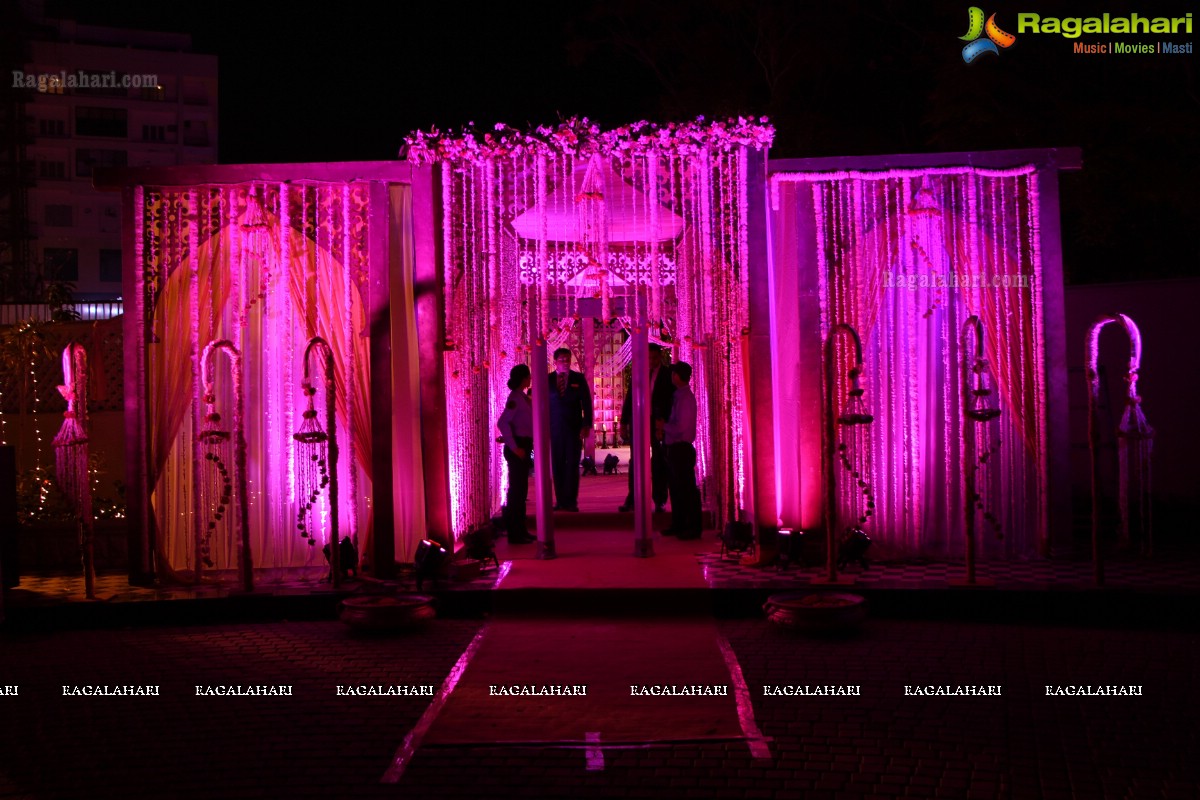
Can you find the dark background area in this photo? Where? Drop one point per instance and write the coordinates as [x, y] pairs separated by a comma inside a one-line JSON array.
[[335, 82]]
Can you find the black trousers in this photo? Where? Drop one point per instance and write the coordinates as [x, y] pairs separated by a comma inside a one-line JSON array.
[[518, 488], [566, 448], [660, 475], [685, 497]]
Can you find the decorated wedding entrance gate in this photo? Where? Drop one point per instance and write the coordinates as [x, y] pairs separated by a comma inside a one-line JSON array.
[[645, 226]]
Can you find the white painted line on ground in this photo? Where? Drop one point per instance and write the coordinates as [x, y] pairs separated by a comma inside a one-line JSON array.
[[754, 737], [595, 756], [408, 748]]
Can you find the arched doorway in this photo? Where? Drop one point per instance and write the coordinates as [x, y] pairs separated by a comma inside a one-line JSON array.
[[643, 227]]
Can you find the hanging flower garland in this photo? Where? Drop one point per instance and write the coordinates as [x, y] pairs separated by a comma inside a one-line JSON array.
[[579, 136]]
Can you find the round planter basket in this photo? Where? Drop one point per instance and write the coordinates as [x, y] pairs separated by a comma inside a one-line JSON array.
[[387, 612], [816, 613]]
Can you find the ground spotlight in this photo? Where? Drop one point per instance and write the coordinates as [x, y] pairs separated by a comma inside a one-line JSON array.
[[790, 542], [737, 538], [430, 559], [853, 548]]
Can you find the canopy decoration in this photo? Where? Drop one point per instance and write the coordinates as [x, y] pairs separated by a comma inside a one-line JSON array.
[[545, 227]]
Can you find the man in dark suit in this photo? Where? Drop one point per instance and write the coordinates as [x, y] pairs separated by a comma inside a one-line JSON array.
[[662, 392], [570, 425]]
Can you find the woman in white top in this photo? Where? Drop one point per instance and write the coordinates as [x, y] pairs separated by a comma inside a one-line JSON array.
[[516, 430]]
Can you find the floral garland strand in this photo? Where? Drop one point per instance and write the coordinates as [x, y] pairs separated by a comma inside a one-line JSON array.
[[579, 136]]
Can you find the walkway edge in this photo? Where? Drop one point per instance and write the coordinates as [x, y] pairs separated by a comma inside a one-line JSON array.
[[754, 737], [408, 748]]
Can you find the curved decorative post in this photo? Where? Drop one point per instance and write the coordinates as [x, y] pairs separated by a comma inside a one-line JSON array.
[[831, 443], [1133, 429], [976, 413], [71, 457], [213, 436], [316, 469]]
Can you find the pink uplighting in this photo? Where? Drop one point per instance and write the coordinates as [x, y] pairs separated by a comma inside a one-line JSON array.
[[255, 270], [430, 279], [905, 256], [643, 226]]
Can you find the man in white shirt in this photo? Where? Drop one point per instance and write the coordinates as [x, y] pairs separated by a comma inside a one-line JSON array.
[[662, 389], [679, 436]]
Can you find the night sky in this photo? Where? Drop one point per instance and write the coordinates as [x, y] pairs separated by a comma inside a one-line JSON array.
[[336, 82]]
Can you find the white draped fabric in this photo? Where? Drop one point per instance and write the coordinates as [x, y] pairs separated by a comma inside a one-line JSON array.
[[212, 275], [906, 257]]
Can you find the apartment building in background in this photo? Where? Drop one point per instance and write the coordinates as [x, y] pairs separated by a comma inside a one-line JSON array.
[[88, 97]]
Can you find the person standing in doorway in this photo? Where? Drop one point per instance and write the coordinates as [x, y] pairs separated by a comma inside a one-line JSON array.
[[679, 437], [570, 425], [516, 429], [662, 392]]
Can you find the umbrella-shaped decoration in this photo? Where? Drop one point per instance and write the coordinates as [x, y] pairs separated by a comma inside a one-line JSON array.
[[71, 455]]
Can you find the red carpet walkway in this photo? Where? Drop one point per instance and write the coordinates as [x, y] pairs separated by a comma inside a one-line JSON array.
[[608, 657]]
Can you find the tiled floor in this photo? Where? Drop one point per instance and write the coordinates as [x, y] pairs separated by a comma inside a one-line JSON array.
[[57, 588], [1162, 573]]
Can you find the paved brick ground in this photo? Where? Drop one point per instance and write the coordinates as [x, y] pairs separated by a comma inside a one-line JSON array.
[[882, 744], [312, 744]]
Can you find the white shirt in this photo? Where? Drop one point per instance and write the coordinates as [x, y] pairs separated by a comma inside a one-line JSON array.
[[517, 418], [681, 427]]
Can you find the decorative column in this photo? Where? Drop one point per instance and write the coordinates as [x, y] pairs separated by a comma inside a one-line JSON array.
[[643, 544], [541, 441]]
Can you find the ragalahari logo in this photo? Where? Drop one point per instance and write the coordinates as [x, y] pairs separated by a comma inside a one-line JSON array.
[[976, 28]]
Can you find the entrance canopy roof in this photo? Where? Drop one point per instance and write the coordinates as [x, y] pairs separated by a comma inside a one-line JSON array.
[[596, 189]]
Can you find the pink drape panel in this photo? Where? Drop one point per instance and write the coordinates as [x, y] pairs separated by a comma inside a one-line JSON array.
[[905, 257], [313, 284], [1009, 322], [169, 359], [318, 296]]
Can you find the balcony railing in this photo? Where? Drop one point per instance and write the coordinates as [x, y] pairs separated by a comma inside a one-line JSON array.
[[89, 311]]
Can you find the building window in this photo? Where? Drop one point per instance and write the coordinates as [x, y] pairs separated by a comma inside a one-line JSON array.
[[62, 263], [195, 133], [52, 170], [110, 220], [60, 216], [110, 266], [154, 133], [52, 127], [154, 93], [88, 159], [96, 121]]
